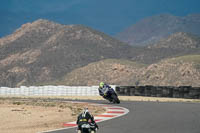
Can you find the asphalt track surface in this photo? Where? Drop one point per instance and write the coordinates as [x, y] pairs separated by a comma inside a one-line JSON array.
[[151, 117]]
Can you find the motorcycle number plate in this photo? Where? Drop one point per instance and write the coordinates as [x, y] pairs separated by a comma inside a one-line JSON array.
[[85, 126]]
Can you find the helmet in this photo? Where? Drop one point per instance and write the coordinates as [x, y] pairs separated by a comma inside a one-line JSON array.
[[85, 111], [101, 84]]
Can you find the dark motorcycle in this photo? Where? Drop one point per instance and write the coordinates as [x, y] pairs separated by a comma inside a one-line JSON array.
[[111, 96], [87, 128]]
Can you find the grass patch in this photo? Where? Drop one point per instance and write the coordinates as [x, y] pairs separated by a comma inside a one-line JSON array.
[[188, 58]]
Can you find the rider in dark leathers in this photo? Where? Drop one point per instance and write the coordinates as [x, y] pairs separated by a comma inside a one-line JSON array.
[[103, 88], [84, 118]]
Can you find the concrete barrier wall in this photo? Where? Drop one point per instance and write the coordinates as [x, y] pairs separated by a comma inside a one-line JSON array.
[[160, 91], [150, 91], [51, 91]]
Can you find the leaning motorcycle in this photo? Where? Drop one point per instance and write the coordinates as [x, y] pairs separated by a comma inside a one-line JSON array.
[[111, 95]]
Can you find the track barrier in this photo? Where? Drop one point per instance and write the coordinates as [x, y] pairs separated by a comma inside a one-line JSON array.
[[51, 90], [188, 92]]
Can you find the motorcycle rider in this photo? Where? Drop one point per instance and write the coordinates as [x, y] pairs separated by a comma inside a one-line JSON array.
[[103, 88], [86, 118]]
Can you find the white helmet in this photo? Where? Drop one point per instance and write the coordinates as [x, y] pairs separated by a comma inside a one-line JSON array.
[[85, 111]]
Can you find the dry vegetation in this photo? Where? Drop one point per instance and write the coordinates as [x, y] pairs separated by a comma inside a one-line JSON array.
[[179, 71], [35, 114], [44, 52]]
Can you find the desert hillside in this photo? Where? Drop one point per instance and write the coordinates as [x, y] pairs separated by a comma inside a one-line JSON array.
[[184, 70], [110, 70], [44, 51], [154, 28], [177, 44]]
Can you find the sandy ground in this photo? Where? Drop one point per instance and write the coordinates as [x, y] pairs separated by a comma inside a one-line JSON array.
[[156, 99], [128, 98], [36, 116]]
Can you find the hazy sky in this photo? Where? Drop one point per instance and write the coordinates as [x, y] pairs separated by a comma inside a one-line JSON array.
[[109, 16]]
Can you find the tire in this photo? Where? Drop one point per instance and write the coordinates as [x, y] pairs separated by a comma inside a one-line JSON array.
[[115, 99], [85, 131]]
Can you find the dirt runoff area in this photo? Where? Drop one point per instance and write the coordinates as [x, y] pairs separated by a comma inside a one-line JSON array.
[[130, 98], [32, 115]]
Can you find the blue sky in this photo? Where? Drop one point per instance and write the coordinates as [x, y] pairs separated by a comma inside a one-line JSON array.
[[109, 16]]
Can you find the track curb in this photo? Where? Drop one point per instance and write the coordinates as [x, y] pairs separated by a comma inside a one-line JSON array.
[[112, 112]]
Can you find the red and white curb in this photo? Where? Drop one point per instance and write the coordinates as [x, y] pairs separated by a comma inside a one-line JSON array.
[[111, 113]]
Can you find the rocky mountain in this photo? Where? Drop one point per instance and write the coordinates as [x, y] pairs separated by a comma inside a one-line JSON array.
[[114, 71], [152, 29], [179, 71], [179, 40], [44, 51], [177, 44], [184, 70]]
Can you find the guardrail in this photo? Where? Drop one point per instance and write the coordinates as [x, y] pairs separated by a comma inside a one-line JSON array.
[[160, 91]]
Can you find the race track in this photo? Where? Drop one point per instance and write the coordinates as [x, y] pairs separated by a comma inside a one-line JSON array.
[[151, 117]]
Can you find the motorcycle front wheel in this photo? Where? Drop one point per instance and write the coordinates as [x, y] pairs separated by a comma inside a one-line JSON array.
[[115, 99]]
